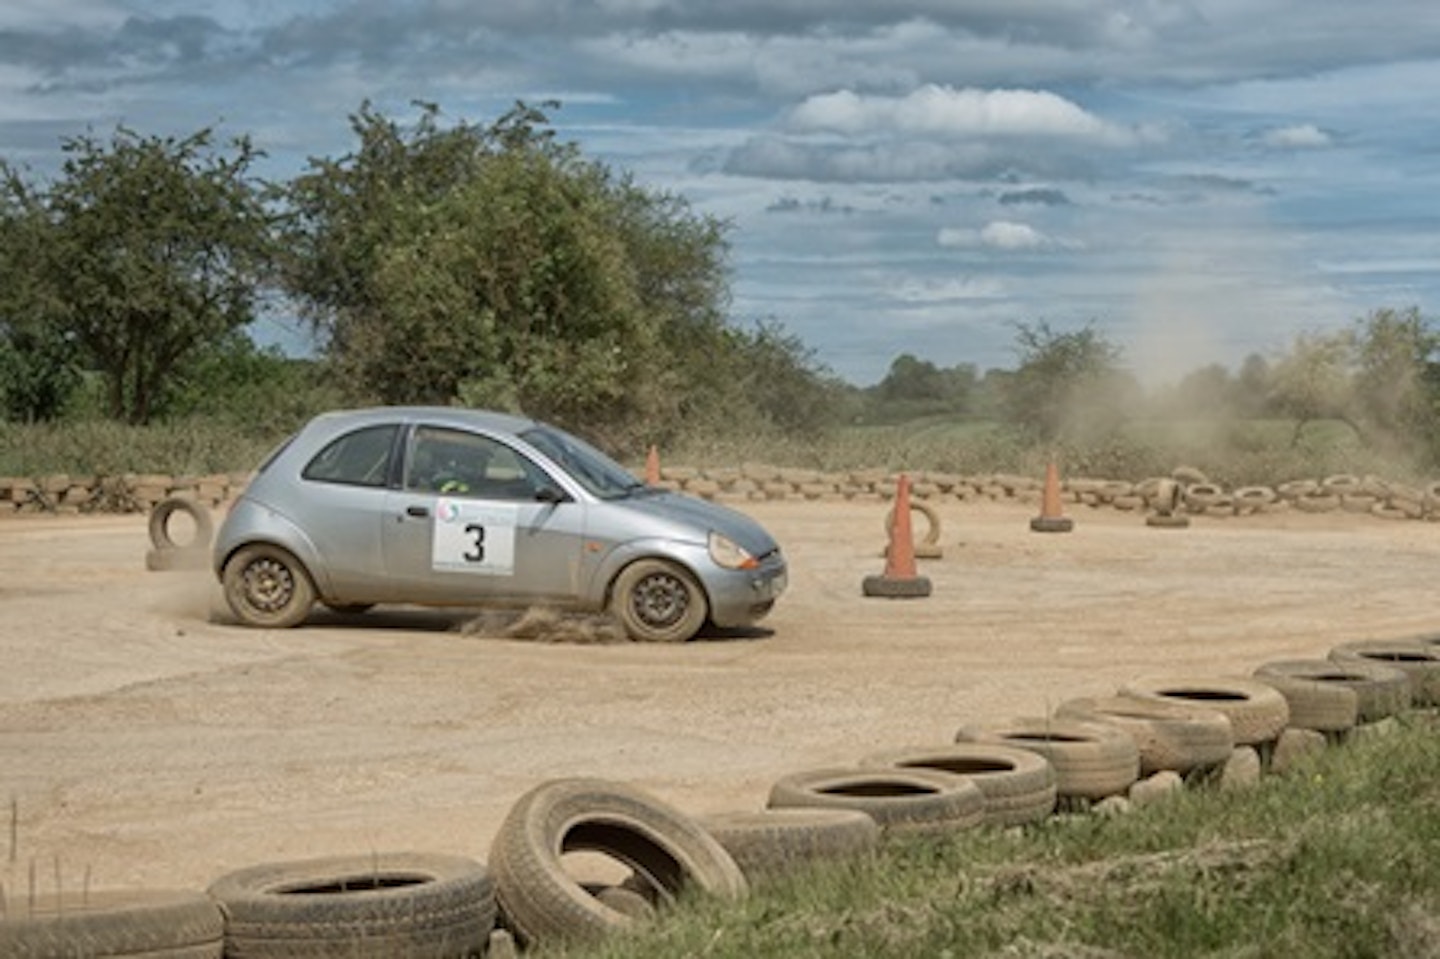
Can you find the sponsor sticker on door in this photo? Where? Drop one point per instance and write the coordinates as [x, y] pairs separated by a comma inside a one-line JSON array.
[[472, 537]]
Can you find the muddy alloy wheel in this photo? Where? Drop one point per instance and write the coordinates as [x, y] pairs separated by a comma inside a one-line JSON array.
[[266, 586], [658, 602]]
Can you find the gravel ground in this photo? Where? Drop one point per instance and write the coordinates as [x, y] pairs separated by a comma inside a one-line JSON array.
[[147, 741]]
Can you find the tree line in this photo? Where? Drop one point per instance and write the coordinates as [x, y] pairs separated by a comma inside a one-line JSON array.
[[486, 265], [495, 265], [1380, 376]]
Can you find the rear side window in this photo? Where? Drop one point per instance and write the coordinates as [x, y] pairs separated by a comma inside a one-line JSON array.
[[361, 458]]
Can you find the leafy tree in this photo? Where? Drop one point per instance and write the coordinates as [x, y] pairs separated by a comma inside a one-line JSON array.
[[1067, 385], [255, 391], [141, 252], [495, 266], [38, 365], [1396, 380], [1312, 382]]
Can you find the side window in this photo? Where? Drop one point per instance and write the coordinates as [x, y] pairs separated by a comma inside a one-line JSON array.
[[361, 458], [457, 463]]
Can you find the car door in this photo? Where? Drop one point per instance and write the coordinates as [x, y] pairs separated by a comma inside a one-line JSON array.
[[477, 521], [341, 499]]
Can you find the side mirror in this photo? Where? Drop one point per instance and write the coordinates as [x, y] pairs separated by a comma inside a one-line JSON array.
[[551, 494]]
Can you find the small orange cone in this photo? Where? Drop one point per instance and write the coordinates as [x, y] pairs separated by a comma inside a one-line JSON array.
[[652, 467], [900, 579], [1050, 519]]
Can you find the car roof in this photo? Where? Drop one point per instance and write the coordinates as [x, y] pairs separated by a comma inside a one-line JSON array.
[[456, 416]]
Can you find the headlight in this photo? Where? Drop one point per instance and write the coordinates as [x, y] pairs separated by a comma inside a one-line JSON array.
[[729, 554]]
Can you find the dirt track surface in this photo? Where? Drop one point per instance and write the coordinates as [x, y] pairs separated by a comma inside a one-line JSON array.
[[146, 741]]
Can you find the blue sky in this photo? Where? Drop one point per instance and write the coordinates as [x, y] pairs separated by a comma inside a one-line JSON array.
[[1199, 180]]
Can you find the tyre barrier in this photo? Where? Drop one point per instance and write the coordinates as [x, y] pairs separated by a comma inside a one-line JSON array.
[[412, 905], [1195, 491]]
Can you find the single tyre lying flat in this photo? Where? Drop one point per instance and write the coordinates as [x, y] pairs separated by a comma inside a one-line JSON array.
[[899, 800], [771, 842], [1173, 736], [1321, 694], [1258, 713], [148, 924], [382, 906], [1019, 785], [1416, 659], [1091, 760]]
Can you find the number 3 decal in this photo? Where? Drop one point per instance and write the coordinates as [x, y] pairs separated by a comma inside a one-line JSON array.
[[478, 554], [473, 537]]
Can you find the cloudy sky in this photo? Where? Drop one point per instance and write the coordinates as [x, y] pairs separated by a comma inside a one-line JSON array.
[[1197, 179]]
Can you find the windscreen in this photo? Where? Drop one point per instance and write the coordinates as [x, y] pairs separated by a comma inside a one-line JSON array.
[[591, 468]]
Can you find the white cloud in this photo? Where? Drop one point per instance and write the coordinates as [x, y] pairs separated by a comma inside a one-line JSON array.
[[1004, 235], [933, 110], [1301, 137]]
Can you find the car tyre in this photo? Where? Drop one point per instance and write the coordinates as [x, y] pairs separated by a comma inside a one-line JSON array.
[[394, 905], [144, 924], [267, 586], [658, 602]]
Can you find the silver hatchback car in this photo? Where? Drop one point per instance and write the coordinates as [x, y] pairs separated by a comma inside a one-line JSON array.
[[439, 506]]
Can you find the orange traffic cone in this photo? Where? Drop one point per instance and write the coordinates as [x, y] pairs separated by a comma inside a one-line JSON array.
[[1050, 519], [900, 579], [652, 467]]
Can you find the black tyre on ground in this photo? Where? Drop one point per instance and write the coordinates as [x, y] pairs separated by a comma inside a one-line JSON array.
[[658, 601], [151, 924], [771, 842], [1322, 694], [199, 514], [896, 587], [1257, 711], [1419, 661], [384, 906], [666, 850], [899, 800], [1178, 737], [1018, 784], [267, 586], [1091, 760]]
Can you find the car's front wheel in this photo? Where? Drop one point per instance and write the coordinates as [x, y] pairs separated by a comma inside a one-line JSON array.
[[658, 602], [267, 586]]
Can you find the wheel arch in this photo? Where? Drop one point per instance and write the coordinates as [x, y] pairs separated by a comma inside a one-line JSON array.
[[263, 526], [684, 555]]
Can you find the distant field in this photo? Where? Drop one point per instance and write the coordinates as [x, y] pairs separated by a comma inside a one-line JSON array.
[[1233, 452]]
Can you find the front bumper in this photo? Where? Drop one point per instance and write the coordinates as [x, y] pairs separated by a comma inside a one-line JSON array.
[[741, 597]]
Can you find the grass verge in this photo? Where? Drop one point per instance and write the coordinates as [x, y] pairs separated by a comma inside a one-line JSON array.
[[1338, 858]]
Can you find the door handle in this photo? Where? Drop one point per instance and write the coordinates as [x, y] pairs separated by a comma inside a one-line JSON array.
[[420, 512]]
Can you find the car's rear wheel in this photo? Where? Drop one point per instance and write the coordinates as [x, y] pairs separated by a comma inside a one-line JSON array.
[[267, 586], [658, 602]]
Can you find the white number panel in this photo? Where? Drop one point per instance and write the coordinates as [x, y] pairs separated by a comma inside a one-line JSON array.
[[472, 537]]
